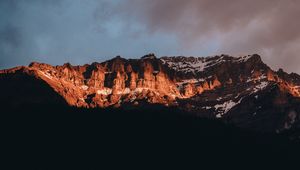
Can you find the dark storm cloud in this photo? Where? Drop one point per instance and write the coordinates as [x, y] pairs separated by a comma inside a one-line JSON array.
[[19, 29], [78, 31], [268, 27]]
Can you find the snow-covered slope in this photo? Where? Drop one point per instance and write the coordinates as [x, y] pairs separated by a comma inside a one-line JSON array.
[[199, 64]]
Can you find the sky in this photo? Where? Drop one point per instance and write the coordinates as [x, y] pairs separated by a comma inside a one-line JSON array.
[[86, 31]]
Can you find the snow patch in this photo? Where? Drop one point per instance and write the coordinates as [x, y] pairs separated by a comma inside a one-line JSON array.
[[105, 91], [186, 64], [108, 91], [125, 91], [244, 58], [258, 87], [218, 115], [261, 86], [219, 98], [198, 64], [140, 90], [225, 107], [262, 77], [84, 87], [206, 107], [192, 81]]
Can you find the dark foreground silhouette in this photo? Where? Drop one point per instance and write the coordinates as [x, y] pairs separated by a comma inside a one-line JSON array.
[[61, 137]]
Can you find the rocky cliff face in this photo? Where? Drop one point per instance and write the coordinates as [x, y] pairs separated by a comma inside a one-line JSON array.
[[109, 83], [217, 87]]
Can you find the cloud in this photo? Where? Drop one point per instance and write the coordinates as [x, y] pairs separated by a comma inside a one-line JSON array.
[[80, 31], [268, 27], [74, 31]]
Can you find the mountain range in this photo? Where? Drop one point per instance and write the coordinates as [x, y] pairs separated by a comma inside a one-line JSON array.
[[242, 91], [176, 109]]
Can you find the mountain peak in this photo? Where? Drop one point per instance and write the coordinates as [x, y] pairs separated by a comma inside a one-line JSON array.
[[149, 56], [256, 56]]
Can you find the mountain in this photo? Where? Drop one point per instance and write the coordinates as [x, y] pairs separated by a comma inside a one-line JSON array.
[[172, 111], [242, 91]]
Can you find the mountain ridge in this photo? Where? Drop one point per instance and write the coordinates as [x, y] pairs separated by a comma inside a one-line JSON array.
[[215, 87]]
